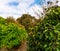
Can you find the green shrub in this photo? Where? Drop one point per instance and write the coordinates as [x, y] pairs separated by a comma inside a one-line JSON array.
[[2, 20], [46, 35], [11, 35]]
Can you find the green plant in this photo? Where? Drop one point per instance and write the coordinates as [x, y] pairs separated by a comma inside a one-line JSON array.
[[24, 21], [46, 35], [11, 35], [2, 20]]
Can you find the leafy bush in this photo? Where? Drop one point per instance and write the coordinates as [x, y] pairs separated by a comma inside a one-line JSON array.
[[11, 35], [46, 35], [2, 20], [24, 21]]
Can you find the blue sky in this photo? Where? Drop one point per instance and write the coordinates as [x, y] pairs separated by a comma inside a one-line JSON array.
[[14, 3], [16, 8]]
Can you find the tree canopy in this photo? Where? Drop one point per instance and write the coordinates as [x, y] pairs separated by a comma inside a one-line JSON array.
[[46, 35]]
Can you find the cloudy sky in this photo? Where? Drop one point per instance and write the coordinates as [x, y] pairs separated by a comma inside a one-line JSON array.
[[16, 8]]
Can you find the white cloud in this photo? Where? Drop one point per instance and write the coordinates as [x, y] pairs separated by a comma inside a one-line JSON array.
[[6, 10], [23, 7], [59, 3]]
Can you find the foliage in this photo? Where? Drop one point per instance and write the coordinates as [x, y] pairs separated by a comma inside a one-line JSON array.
[[43, 35], [58, 27], [27, 20], [10, 19], [2, 20], [11, 35], [46, 35]]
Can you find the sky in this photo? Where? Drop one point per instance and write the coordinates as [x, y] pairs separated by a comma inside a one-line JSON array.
[[16, 8]]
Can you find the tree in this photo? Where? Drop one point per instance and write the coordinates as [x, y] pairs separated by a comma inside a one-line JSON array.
[[45, 4], [10, 19], [46, 35], [27, 20]]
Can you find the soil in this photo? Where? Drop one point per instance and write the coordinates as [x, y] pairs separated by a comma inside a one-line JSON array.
[[22, 47]]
